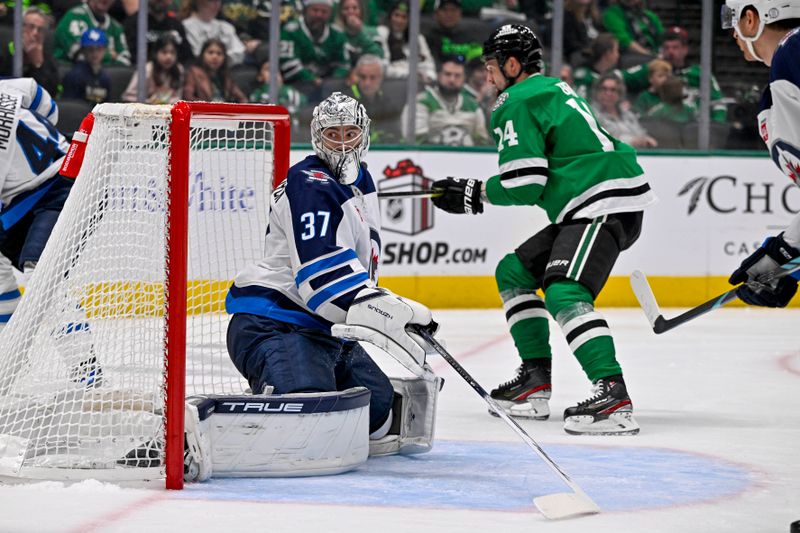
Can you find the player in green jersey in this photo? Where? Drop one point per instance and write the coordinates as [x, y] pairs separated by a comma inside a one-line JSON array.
[[554, 154]]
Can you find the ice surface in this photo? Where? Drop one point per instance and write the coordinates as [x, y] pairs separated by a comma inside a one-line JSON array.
[[719, 449]]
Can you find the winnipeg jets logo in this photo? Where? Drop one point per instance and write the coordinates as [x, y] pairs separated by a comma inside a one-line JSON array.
[[500, 101], [787, 157], [316, 175]]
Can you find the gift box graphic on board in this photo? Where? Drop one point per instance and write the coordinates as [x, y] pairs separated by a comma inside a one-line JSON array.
[[408, 216]]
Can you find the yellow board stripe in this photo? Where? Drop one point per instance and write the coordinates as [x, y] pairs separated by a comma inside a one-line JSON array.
[[480, 292], [138, 299]]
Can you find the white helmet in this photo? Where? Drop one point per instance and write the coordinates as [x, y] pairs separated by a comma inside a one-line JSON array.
[[343, 158], [769, 11]]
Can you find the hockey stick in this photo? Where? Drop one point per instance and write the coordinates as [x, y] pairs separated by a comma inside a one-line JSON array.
[[409, 194], [641, 288], [552, 506]]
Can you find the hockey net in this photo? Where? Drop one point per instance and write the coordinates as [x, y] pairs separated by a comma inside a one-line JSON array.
[[124, 315]]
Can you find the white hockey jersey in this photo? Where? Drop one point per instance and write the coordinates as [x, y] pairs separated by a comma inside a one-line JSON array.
[[322, 248], [31, 147], [779, 119]]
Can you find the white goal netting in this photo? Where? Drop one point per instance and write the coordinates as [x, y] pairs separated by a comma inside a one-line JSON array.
[[82, 361]]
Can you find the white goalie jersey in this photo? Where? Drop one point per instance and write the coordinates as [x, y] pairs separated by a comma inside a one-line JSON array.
[[322, 248], [31, 147]]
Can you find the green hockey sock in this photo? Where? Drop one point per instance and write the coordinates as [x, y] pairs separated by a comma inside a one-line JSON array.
[[524, 308], [586, 330]]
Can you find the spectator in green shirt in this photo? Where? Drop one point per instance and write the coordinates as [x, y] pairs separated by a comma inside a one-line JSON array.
[[604, 57], [312, 49], [674, 50], [672, 108], [361, 38], [92, 14], [658, 71], [638, 30]]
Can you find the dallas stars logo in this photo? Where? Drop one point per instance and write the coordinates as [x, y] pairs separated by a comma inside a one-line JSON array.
[[500, 101]]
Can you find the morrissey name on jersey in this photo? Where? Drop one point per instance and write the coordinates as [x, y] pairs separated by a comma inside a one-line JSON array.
[[8, 109]]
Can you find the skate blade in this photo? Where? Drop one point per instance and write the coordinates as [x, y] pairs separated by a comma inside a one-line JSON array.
[[565, 505], [532, 409], [616, 424]]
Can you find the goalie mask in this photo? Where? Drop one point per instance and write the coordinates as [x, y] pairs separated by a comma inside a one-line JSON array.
[[769, 11], [340, 135]]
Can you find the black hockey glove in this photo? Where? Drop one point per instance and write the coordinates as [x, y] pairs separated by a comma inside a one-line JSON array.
[[774, 252], [456, 195]]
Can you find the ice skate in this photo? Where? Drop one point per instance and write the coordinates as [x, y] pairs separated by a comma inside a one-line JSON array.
[[609, 411], [527, 394]]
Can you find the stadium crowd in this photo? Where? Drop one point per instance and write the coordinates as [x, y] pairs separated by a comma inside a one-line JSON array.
[[635, 69]]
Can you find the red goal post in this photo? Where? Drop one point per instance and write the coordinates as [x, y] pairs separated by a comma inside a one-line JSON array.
[[178, 221]]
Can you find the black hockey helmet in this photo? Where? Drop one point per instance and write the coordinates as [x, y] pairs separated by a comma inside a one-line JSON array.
[[514, 40]]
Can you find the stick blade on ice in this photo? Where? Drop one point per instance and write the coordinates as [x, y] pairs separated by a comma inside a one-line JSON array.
[[565, 505], [641, 288]]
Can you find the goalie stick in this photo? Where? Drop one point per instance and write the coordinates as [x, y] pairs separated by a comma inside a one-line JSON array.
[[409, 194], [552, 506], [641, 288]]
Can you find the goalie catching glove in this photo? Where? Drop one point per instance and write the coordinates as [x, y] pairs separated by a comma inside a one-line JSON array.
[[456, 195], [382, 318], [777, 293]]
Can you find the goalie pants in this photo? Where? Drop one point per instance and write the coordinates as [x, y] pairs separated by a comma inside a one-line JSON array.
[[293, 358], [571, 263]]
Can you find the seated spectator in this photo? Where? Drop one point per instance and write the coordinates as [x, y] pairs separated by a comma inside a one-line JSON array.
[[609, 97], [88, 80], [582, 25], [92, 14], [603, 58], [249, 26], [311, 49], [7, 10], [201, 25], [672, 107], [384, 112], [674, 50], [209, 79], [289, 98], [478, 86], [394, 39], [37, 62], [445, 113], [361, 39], [160, 20], [449, 37], [638, 30], [164, 75], [658, 71]]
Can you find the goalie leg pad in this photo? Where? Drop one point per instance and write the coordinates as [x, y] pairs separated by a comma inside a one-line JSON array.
[[414, 419], [281, 435]]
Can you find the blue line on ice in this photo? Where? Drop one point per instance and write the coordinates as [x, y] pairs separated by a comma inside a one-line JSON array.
[[503, 477]]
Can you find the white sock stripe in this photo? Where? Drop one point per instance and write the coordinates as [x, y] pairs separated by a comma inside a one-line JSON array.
[[528, 313], [579, 321], [586, 336], [531, 297]]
